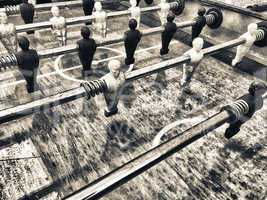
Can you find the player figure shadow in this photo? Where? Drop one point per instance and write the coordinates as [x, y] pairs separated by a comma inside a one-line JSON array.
[[217, 179], [245, 153], [160, 82], [189, 99], [58, 183], [16, 138], [46, 142], [128, 95], [121, 139], [127, 92], [90, 109]]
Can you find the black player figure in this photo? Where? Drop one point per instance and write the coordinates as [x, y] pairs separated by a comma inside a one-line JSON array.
[[131, 39], [88, 6], [255, 101], [200, 23], [170, 29], [27, 13], [87, 49], [262, 7], [28, 63]]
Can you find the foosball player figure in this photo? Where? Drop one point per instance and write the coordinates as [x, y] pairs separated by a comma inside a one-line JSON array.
[[243, 49], [200, 23], [27, 13], [33, 2], [170, 29], [135, 12], [258, 7], [164, 11], [131, 39], [86, 50], [255, 101], [115, 79], [100, 23], [196, 55], [59, 26], [88, 7], [28, 64], [8, 35]]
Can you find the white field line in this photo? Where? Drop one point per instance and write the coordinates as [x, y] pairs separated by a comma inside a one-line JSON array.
[[157, 139]]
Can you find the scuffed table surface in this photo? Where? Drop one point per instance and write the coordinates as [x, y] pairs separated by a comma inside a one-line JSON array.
[[74, 144]]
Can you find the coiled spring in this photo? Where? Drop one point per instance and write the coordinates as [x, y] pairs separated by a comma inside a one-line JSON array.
[[238, 109], [7, 61], [260, 35], [11, 10], [94, 88], [174, 5], [210, 18]]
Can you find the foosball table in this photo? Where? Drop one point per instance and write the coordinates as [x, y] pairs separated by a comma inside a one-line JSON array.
[[133, 99]]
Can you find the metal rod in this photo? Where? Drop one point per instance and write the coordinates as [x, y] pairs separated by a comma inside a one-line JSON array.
[[48, 53], [139, 73], [5, 60], [40, 105], [80, 20], [142, 163], [237, 9], [48, 6], [58, 99]]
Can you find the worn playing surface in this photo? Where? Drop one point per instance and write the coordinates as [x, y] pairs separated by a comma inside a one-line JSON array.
[[51, 154]]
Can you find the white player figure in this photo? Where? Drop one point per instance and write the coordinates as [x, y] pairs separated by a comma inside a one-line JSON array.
[[115, 79], [59, 26], [33, 2], [8, 35], [135, 12], [243, 49], [100, 23], [196, 55], [164, 11]]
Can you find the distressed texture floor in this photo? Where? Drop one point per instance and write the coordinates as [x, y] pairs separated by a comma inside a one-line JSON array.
[[73, 144]]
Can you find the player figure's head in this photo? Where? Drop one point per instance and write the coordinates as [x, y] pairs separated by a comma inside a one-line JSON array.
[[23, 43], [201, 11], [25, 1], [3, 18], [132, 24], [115, 67], [198, 44], [133, 3], [55, 11], [257, 88], [170, 17], [252, 28], [98, 6], [162, 1], [85, 32]]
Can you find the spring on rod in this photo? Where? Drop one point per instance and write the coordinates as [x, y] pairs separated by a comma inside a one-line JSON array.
[[7, 61], [210, 18], [174, 5], [94, 88], [12, 9], [238, 109], [260, 35]]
